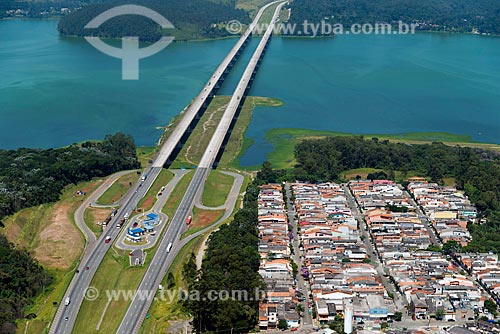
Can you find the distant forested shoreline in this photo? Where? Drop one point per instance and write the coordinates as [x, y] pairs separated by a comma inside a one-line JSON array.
[[466, 16], [194, 19]]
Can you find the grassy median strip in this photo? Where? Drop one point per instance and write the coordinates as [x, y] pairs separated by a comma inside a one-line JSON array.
[[114, 273], [197, 142], [217, 189], [147, 202], [118, 189], [176, 196]]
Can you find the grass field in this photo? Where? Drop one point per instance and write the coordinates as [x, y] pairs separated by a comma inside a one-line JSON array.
[[198, 141], [146, 153], [176, 196], [217, 189], [118, 189], [285, 139], [147, 202], [49, 233], [93, 215], [114, 273]]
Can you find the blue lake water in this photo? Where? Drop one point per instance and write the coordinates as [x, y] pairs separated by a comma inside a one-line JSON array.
[[55, 91]]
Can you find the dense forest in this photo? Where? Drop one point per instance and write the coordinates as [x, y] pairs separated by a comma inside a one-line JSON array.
[[31, 177], [21, 279], [433, 15], [231, 263], [192, 19], [474, 170]]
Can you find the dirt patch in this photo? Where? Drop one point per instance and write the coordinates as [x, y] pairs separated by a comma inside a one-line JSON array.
[[60, 243], [99, 214], [204, 218], [148, 203]]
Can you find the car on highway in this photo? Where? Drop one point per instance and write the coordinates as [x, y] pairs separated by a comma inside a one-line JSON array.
[[107, 240], [67, 301]]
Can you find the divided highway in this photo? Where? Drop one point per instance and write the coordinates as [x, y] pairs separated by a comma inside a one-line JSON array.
[[168, 247], [66, 314]]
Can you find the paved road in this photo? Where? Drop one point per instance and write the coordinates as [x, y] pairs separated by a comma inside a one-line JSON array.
[[66, 314], [207, 161], [159, 204], [169, 245], [423, 218], [90, 237], [208, 90], [291, 212], [399, 300]]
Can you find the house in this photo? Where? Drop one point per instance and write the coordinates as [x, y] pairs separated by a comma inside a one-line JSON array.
[[137, 257]]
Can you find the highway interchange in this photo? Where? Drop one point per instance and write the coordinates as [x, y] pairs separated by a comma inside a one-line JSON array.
[[66, 314]]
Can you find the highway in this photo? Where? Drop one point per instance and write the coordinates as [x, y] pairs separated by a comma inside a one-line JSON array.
[[163, 259], [66, 314], [83, 277], [208, 90]]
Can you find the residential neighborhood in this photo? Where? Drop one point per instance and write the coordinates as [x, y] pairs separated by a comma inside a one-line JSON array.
[[368, 255]]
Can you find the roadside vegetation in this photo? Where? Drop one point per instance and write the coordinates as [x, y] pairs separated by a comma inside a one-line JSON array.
[[201, 219], [48, 232], [230, 263], [118, 189], [94, 215], [145, 154], [147, 202]]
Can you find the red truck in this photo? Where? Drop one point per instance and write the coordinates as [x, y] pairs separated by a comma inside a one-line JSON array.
[[188, 220], [120, 223]]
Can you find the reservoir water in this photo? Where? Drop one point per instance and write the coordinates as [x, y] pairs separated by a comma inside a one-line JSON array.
[[55, 91]]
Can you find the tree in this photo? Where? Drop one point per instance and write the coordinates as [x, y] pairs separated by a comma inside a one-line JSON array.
[[451, 247], [398, 315], [439, 314], [282, 324], [491, 306]]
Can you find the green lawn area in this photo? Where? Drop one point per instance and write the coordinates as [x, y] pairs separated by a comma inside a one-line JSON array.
[[147, 202], [146, 153], [285, 139], [176, 196], [217, 188], [118, 189], [114, 273], [90, 221]]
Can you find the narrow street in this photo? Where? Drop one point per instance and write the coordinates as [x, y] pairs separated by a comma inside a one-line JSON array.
[[302, 285], [399, 300]]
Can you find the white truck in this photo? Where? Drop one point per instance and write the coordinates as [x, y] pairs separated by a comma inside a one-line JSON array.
[[67, 301]]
